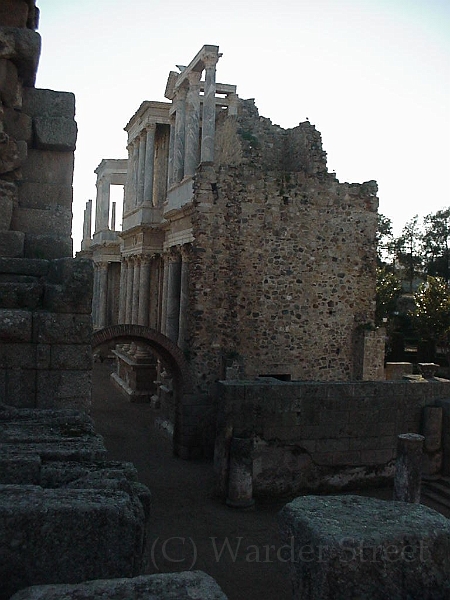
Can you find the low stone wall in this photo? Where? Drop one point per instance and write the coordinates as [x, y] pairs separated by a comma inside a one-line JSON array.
[[66, 514], [319, 436], [341, 547]]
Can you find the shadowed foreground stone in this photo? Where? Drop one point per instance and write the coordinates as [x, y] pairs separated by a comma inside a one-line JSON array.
[[67, 535], [166, 586], [342, 547]]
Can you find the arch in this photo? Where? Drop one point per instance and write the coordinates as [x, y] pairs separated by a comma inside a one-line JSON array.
[[169, 352]]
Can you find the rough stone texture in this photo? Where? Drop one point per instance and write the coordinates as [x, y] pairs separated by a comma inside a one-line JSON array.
[[48, 103], [297, 447], [55, 133], [8, 196], [12, 243], [353, 547], [22, 47], [164, 586]]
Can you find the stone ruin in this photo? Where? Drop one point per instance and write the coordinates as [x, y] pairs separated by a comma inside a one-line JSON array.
[[67, 514]]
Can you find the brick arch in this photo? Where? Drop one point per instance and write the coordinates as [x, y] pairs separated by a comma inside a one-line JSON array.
[[169, 352]]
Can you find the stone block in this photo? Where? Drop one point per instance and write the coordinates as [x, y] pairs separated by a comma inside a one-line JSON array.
[[19, 468], [12, 244], [67, 535], [58, 473], [341, 547], [9, 83], [12, 153], [45, 166], [63, 389], [53, 328], [22, 47], [21, 295], [40, 102], [69, 287], [47, 246], [24, 266], [71, 356], [6, 211], [16, 326], [13, 13], [17, 125], [20, 387], [55, 133], [51, 221], [45, 195], [164, 586], [17, 355]]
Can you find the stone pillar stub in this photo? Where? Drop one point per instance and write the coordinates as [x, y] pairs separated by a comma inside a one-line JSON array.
[[209, 110], [184, 301], [240, 483], [102, 205], [87, 222], [408, 468]]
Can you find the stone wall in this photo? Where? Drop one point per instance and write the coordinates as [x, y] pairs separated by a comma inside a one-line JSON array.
[[282, 275], [320, 436]]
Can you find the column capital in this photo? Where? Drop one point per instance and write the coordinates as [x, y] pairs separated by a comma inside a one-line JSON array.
[[210, 60], [186, 252]]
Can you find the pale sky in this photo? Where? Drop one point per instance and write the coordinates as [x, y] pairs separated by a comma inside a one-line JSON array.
[[373, 76]]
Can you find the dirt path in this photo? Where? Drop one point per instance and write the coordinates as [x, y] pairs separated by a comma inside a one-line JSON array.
[[189, 529]]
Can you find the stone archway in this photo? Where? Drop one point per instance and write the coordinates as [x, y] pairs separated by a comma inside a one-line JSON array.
[[169, 352]]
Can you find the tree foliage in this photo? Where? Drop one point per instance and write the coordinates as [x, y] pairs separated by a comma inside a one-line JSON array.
[[388, 290], [431, 316], [436, 244]]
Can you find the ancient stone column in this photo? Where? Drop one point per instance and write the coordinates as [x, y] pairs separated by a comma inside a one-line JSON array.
[[164, 294], [173, 297], [136, 279], [184, 300], [408, 468], [134, 174], [95, 297], [170, 168], [127, 203], [102, 293], [179, 142], [129, 298], [87, 222], [149, 164], [141, 168], [113, 216], [191, 153], [209, 110], [123, 291], [102, 205], [155, 293], [144, 291], [240, 482]]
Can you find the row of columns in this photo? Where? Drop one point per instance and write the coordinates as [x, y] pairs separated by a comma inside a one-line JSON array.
[[184, 151], [140, 174], [148, 299], [99, 297]]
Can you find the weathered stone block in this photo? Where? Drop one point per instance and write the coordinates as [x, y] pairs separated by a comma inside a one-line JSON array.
[[47, 246], [20, 387], [24, 266], [17, 125], [15, 355], [22, 47], [343, 547], [70, 284], [11, 154], [16, 326], [164, 586], [19, 468], [55, 133], [63, 389], [71, 356], [67, 535], [6, 211], [45, 195], [53, 328], [55, 219], [40, 102], [21, 295], [13, 13], [59, 474], [45, 166], [9, 83]]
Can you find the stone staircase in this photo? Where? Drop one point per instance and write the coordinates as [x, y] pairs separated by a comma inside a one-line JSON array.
[[437, 489]]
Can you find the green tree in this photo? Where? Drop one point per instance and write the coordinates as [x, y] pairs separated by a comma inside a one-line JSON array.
[[385, 241], [408, 250], [431, 316], [436, 244], [388, 290]]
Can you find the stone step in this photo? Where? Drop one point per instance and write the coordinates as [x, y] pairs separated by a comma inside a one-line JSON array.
[[436, 497]]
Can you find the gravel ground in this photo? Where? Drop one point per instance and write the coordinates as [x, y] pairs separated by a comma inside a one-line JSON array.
[[189, 528]]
